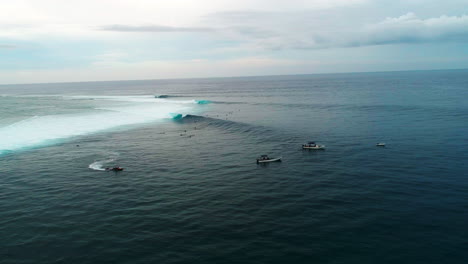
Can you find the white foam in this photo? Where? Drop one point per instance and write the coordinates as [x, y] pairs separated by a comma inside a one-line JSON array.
[[133, 98], [45, 130], [98, 165]]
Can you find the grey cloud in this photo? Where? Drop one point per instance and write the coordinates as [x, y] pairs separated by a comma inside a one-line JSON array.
[[7, 46], [319, 30], [405, 29], [237, 17], [411, 29], [153, 28]]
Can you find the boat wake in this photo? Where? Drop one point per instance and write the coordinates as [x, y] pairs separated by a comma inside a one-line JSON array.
[[100, 165]]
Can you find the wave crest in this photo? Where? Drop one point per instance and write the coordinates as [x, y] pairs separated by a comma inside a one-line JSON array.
[[109, 113]]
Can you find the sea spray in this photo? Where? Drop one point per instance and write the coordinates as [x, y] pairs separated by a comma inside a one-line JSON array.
[[51, 129]]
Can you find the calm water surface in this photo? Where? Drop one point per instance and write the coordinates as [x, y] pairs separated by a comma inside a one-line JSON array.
[[191, 191]]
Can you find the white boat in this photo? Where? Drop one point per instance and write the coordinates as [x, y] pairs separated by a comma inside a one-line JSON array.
[[312, 145], [380, 144], [266, 159]]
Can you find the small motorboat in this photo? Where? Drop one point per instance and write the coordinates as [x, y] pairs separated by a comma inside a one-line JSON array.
[[380, 144], [266, 159], [312, 145], [115, 169]]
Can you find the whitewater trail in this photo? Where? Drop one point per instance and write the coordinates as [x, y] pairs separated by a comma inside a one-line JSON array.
[[99, 165], [109, 112]]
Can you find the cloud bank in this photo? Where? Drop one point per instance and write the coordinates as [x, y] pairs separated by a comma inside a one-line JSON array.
[[7, 46], [41, 38], [404, 29], [409, 28], [153, 28]]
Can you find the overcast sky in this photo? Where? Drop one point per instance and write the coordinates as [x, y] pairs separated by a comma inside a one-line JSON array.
[[88, 40]]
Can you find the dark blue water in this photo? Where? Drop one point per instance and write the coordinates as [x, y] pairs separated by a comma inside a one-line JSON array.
[[191, 191]]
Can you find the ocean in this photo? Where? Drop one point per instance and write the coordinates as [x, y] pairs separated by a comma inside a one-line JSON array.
[[192, 192]]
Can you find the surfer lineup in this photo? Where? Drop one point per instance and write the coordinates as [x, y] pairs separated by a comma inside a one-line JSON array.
[[263, 159]]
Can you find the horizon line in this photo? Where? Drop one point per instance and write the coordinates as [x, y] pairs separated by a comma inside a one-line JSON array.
[[237, 76]]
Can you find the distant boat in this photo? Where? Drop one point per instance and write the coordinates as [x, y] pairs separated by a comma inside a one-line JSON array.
[[312, 145], [380, 144], [266, 159], [115, 169], [161, 96]]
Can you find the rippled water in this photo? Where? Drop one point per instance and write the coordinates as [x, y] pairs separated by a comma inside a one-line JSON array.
[[191, 191]]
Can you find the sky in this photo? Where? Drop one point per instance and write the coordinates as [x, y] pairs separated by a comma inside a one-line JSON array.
[[97, 40]]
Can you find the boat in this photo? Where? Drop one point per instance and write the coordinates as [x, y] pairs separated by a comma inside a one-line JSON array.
[[312, 145], [380, 144], [266, 159], [115, 169]]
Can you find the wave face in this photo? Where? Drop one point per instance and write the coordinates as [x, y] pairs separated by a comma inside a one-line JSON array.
[[191, 190], [109, 112], [176, 116], [203, 101]]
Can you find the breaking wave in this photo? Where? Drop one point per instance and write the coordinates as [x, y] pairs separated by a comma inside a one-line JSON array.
[[50, 129], [176, 116], [203, 101]]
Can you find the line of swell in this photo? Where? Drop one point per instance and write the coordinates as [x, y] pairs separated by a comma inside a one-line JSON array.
[[162, 96], [377, 107], [256, 133], [261, 133]]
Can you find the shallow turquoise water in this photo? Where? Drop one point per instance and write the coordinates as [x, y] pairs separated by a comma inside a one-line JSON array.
[[191, 191]]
